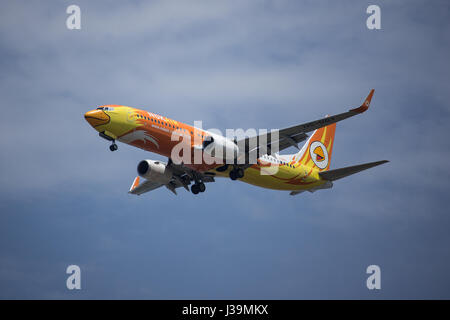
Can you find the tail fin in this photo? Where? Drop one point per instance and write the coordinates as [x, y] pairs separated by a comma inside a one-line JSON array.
[[318, 149]]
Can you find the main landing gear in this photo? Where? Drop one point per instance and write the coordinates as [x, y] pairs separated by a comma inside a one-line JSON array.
[[198, 187], [236, 173], [113, 147]]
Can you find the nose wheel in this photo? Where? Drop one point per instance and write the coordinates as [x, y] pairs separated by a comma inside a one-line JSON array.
[[113, 147]]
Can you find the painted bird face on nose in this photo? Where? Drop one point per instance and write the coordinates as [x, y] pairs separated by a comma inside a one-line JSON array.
[[97, 117]]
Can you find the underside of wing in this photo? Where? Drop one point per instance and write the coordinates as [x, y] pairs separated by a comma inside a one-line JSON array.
[[143, 187], [181, 176]]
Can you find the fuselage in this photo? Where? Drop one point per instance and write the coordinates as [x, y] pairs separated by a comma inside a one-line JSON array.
[[159, 134]]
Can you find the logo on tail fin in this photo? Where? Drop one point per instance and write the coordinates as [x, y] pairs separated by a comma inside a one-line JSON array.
[[319, 154]]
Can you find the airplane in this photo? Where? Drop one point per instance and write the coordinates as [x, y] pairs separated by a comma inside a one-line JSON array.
[[306, 170]]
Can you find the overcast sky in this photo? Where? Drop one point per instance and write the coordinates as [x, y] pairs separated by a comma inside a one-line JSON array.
[[231, 64]]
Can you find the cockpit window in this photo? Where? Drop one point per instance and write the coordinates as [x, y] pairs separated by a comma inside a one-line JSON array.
[[106, 108]]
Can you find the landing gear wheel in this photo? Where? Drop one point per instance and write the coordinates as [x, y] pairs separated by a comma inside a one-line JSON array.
[[195, 189], [240, 173], [233, 175], [201, 187], [113, 147]]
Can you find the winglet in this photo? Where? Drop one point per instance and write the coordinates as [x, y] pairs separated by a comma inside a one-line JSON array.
[[366, 103], [135, 184]]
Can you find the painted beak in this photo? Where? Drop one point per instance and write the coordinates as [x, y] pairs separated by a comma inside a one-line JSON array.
[[96, 118]]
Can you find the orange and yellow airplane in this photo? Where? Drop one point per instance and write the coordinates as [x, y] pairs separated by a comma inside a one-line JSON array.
[[252, 159]]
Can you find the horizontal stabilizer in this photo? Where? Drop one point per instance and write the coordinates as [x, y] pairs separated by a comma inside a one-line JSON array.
[[336, 174]]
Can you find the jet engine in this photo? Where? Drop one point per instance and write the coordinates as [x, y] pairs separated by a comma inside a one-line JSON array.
[[155, 171]]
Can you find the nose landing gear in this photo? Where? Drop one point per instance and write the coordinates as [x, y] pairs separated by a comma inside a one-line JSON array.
[[113, 147]]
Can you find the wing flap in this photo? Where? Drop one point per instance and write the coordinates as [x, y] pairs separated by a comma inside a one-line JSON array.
[[340, 173]]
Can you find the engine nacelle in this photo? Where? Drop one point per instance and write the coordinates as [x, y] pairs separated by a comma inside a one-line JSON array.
[[220, 147], [154, 170]]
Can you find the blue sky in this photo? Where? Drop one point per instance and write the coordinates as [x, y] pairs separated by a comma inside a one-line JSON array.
[[231, 64]]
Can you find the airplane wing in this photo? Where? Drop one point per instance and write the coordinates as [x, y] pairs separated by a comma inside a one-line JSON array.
[[146, 186], [337, 174], [181, 177], [291, 136]]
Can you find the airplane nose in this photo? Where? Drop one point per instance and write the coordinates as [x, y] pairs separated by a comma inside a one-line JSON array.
[[96, 117]]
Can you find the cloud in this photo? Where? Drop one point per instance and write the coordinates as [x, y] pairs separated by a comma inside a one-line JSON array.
[[232, 64]]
